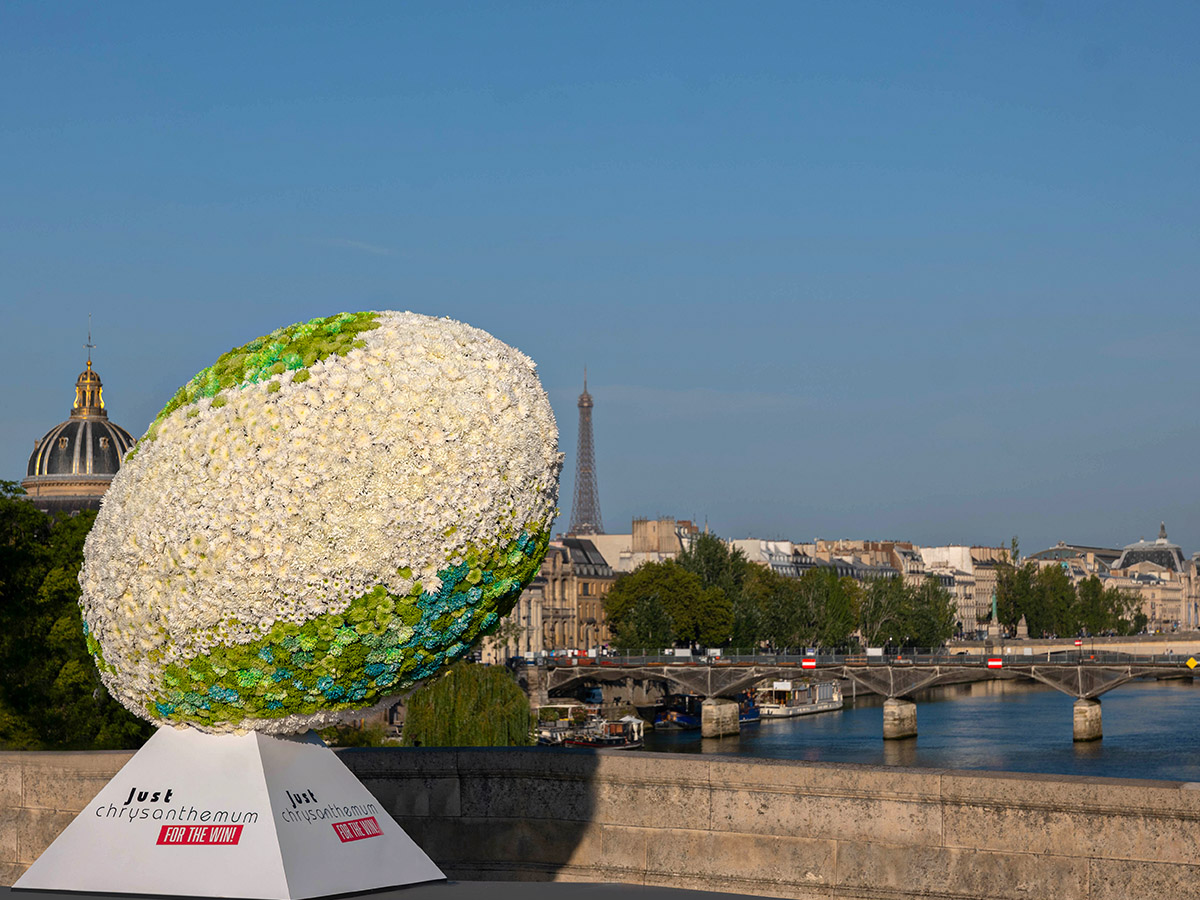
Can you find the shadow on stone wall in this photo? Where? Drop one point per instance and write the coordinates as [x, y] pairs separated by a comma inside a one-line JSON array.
[[484, 814]]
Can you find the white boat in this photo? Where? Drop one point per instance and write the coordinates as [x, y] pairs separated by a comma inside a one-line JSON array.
[[785, 699], [624, 734], [576, 725], [557, 720]]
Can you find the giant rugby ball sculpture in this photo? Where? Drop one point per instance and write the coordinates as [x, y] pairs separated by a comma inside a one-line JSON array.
[[321, 519]]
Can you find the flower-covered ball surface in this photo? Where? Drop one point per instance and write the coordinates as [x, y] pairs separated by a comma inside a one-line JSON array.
[[322, 518]]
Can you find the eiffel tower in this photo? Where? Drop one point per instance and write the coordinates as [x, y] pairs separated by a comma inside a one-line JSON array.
[[585, 508]]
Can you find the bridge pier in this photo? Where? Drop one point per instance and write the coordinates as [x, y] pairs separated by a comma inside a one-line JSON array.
[[1086, 720], [899, 719], [718, 717]]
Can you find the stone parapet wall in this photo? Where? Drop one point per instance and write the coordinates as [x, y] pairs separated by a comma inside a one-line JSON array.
[[786, 829], [40, 793]]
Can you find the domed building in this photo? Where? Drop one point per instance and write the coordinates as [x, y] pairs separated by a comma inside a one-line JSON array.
[[73, 464], [1166, 582], [1161, 552]]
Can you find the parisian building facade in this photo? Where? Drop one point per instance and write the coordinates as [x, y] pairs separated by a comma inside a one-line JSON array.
[[562, 609]]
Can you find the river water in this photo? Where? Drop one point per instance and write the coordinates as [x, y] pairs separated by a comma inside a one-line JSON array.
[[1151, 730]]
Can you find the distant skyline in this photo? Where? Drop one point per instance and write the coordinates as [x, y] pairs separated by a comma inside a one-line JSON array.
[[922, 271]]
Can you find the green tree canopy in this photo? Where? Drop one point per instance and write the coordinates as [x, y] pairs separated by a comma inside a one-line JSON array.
[[722, 572], [746, 630], [1056, 602], [646, 625], [893, 611], [51, 696], [1091, 606], [716, 565], [697, 614], [712, 619], [468, 705], [779, 607], [883, 611], [1102, 609], [1052, 604], [930, 614], [1016, 595], [830, 603]]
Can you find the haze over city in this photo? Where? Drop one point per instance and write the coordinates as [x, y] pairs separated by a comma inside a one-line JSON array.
[[924, 272]]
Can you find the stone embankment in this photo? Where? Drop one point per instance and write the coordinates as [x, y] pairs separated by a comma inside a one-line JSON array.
[[784, 829]]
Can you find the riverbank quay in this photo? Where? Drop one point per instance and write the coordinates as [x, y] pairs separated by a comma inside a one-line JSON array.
[[729, 824]]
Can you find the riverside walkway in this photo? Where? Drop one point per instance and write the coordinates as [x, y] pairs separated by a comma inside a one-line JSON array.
[[895, 676]]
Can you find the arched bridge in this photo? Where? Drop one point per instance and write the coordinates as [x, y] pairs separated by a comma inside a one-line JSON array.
[[1082, 680], [896, 678]]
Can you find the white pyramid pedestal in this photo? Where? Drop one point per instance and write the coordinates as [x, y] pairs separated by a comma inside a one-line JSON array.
[[253, 816]]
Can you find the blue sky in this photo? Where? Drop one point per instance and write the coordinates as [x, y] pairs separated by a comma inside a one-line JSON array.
[[923, 271]]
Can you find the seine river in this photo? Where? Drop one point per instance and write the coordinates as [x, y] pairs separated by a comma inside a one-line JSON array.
[[1151, 730]]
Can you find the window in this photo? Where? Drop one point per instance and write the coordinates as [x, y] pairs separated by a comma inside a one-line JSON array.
[[62, 443], [103, 443]]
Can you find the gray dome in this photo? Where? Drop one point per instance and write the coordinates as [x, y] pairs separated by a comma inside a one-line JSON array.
[[80, 447], [72, 465]]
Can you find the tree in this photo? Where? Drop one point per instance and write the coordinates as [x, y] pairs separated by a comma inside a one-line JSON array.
[[697, 614], [372, 734], [1044, 595], [839, 616], [930, 614], [712, 619], [468, 705], [829, 607], [24, 540], [1016, 595], [1102, 609], [716, 565], [1055, 603], [51, 696], [1127, 610], [647, 624], [1092, 606], [746, 628], [882, 611], [1138, 623], [724, 569], [777, 606]]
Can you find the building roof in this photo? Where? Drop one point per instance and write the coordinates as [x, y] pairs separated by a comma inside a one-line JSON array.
[[867, 571], [1105, 555], [585, 558], [1161, 552]]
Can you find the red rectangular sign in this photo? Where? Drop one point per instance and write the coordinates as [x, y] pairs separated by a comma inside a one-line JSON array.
[[357, 829], [808, 663], [995, 663], [1078, 643], [197, 835]]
